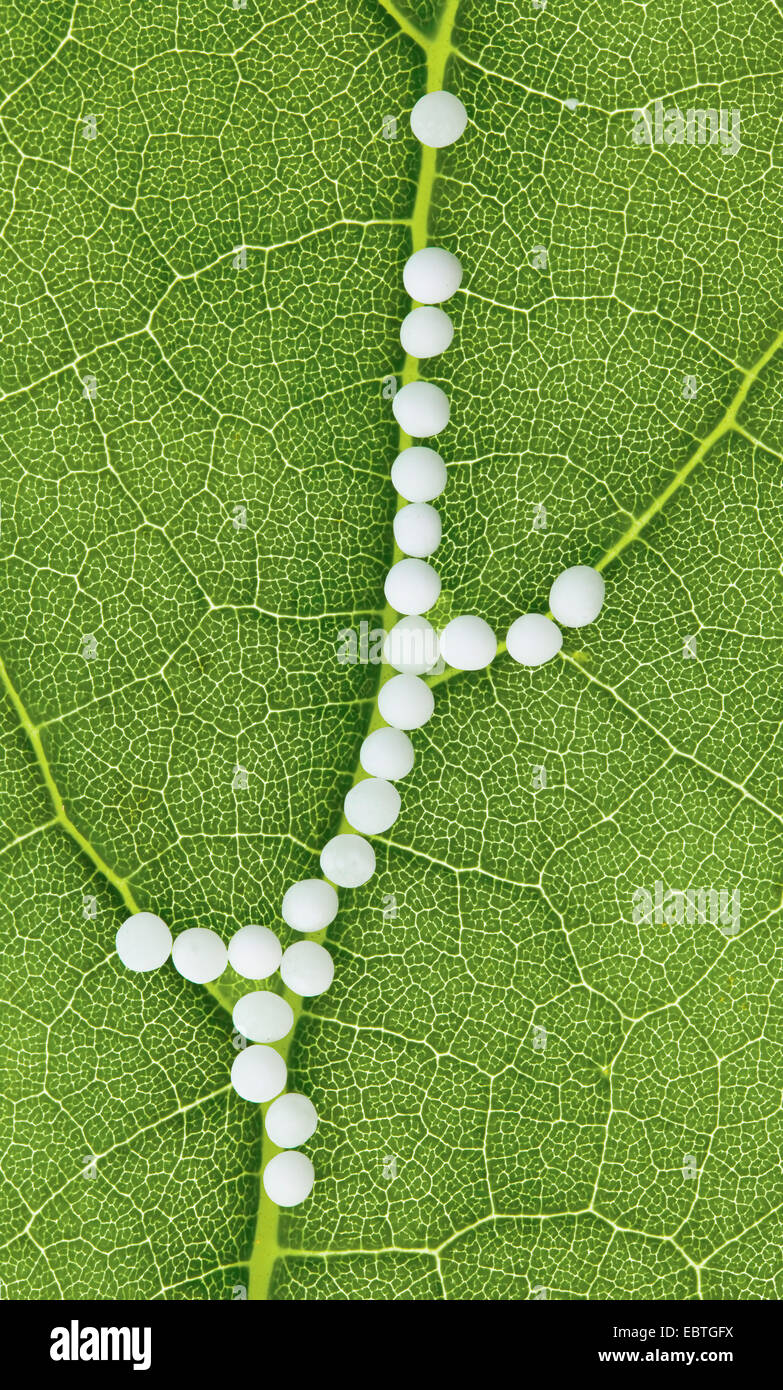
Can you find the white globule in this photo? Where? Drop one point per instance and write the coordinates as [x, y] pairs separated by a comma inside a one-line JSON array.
[[348, 860], [418, 474], [405, 702], [412, 586], [310, 905], [307, 968], [426, 332], [432, 275], [143, 942], [577, 595], [263, 1017], [254, 952], [468, 643], [533, 639], [199, 955], [291, 1120], [387, 753], [438, 119], [372, 806], [417, 529], [288, 1178], [411, 646], [421, 409], [258, 1073]]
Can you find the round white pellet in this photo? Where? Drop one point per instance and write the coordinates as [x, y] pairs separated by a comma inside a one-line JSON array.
[[412, 586], [258, 1073], [199, 955], [438, 119], [468, 643], [432, 275], [417, 529], [405, 702], [387, 753], [426, 332], [411, 646], [310, 905], [533, 639], [288, 1178], [291, 1120], [372, 806], [418, 474], [348, 860], [307, 968], [577, 595], [421, 409], [263, 1017], [254, 952], [143, 942]]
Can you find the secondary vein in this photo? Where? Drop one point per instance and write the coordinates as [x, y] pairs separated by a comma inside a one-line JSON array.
[[61, 816], [727, 423]]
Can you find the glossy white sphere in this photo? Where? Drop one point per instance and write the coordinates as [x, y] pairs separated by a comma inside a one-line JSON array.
[[426, 332], [432, 275], [411, 646], [417, 529], [405, 702], [199, 955], [418, 474], [372, 806], [288, 1178], [143, 942], [468, 643], [263, 1017], [533, 639], [291, 1120], [348, 860], [438, 119], [254, 952], [412, 586], [310, 905], [258, 1073], [421, 409], [387, 753], [307, 968], [577, 595]]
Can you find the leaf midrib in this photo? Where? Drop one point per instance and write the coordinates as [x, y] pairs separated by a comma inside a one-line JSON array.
[[438, 49]]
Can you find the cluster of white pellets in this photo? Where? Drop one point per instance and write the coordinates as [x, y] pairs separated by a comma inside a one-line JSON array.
[[468, 643], [262, 1017], [144, 942], [575, 599], [412, 648]]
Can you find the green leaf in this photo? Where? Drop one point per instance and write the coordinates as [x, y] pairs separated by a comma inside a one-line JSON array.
[[524, 1092]]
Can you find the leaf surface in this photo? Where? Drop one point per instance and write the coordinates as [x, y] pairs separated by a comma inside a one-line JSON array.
[[200, 306]]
